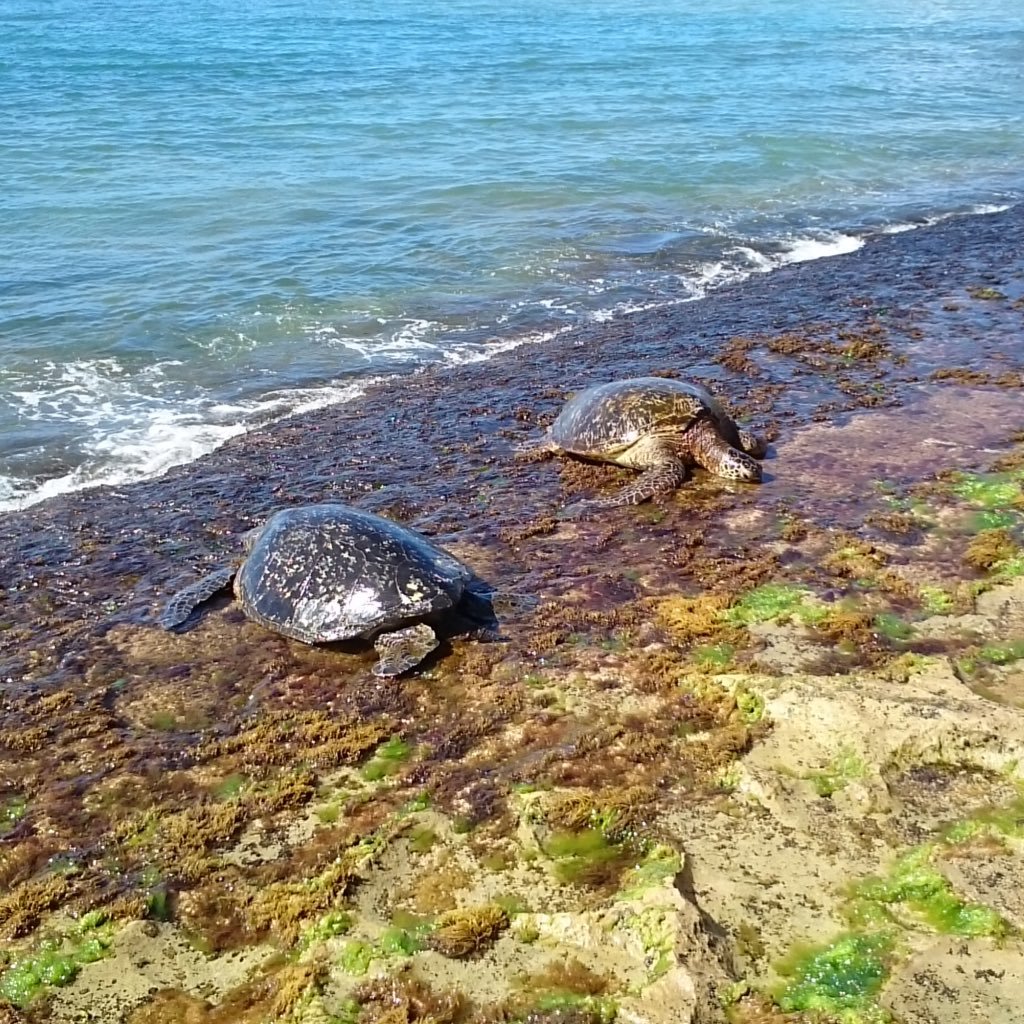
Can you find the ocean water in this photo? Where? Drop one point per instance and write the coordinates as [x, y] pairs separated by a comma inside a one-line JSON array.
[[216, 213]]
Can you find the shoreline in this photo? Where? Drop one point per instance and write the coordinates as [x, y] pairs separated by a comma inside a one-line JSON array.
[[714, 675], [329, 393]]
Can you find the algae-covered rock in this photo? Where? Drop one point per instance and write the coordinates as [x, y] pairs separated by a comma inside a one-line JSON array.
[[880, 813], [659, 944]]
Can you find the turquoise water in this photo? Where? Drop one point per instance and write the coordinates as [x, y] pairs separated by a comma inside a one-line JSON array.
[[215, 213]]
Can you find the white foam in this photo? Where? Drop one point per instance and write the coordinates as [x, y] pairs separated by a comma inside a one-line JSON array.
[[938, 218], [458, 355], [800, 250], [135, 439], [129, 432]]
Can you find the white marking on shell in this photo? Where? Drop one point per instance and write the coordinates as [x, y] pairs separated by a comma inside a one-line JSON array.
[[362, 604], [413, 593]]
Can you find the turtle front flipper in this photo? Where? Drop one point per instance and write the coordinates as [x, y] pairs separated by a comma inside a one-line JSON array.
[[403, 649], [715, 454], [753, 444], [181, 606]]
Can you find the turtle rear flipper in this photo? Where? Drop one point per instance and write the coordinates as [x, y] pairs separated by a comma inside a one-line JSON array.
[[403, 649], [181, 606], [663, 471]]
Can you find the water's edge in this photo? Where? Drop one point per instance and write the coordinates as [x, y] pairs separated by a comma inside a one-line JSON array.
[[149, 453]]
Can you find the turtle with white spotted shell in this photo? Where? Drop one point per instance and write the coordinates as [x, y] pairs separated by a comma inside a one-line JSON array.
[[658, 425], [327, 572]]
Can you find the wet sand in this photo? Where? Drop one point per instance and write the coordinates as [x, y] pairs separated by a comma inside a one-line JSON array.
[[142, 763]]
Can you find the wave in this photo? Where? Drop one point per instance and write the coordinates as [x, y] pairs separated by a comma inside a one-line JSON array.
[[135, 436]]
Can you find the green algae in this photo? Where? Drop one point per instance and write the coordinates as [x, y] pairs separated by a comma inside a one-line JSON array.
[[332, 924], [349, 1012], [772, 601], [1002, 820], [1002, 654], [844, 768], [405, 936], [231, 787], [512, 904], [989, 490], [991, 654], [914, 883], [422, 839], [356, 956], [25, 980], [12, 810], [840, 980], [991, 519], [328, 814], [497, 860], [714, 657], [387, 759], [55, 961], [750, 705], [574, 848], [591, 1009], [1009, 568], [936, 600], [587, 856], [163, 721], [398, 941], [418, 803], [660, 864], [892, 627], [655, 928]]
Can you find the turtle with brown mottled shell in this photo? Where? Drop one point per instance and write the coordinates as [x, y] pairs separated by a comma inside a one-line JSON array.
[[657, 425]]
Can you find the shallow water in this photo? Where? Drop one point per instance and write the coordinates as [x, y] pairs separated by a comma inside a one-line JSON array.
[[215, 215]]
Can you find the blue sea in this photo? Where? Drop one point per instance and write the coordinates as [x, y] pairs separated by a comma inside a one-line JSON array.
[[216, 213]]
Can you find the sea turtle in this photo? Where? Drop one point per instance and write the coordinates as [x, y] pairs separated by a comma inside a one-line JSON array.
[[319, 573], [655, 424]]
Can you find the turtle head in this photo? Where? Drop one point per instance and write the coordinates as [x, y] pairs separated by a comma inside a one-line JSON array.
[[737, 465], [250, 537]]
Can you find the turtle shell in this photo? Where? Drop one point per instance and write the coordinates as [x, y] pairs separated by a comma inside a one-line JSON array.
[[327, 572], [607, 419]]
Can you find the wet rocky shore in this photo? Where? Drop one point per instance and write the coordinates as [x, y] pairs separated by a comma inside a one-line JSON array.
[[757, 754]]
